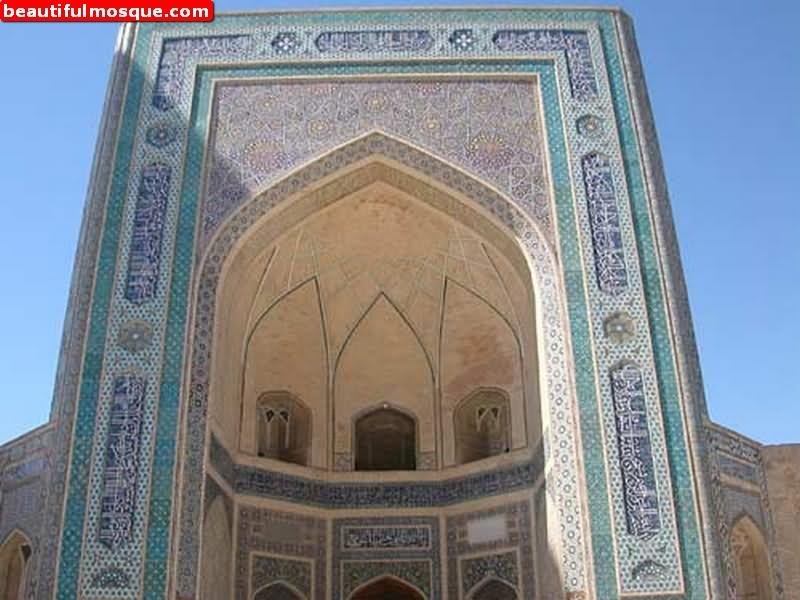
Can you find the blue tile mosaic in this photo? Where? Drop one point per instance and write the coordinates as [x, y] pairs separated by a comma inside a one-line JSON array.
[[144, 262], [635, 452], [374, 41], [122, 460]]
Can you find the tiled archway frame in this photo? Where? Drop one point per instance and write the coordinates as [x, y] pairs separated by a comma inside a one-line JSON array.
[[462, 198], [167, 312]]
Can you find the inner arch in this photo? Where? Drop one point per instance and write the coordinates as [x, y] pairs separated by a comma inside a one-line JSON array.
[[242, 276], [353, 276]]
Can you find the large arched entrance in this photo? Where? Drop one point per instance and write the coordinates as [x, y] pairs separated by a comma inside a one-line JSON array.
[[378, 286], [387, 588], [378, 311]]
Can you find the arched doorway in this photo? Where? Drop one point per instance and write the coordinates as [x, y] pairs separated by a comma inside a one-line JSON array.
[[14, 554], [277, 591], [494, 589], [751, 561], [387, 588]]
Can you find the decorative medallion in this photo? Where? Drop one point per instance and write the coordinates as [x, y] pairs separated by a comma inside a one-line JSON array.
[[135, 335], [489, 150], [590, 126], [161, 135], [462, 39], [619, 327], [286, 42]]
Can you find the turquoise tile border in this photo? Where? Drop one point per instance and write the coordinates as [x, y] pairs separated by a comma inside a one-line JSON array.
[[680, 470], [83, 433]]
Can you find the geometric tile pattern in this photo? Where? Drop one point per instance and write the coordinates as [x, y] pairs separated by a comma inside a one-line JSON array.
[[276, 546], [269, 569], [165, 58], [263, 132], [415, 572], [508, 556], [259, 482], [574, 43], [405, 547], [500, 566], [171, 77]]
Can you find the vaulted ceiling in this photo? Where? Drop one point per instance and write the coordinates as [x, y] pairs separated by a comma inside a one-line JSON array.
[[379, 299]]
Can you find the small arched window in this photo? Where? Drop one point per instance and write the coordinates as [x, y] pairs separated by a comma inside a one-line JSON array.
[[283, 428], [482, 426], [386, 441]]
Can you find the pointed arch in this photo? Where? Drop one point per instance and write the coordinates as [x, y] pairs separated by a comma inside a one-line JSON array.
[[493, 589], [387, 587], [278, 590], [479, 349], [285, 373], [458, 194], [383, 364], [14, 554], [751, 560]]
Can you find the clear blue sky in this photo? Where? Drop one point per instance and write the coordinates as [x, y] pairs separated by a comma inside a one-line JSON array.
[[724, 79]]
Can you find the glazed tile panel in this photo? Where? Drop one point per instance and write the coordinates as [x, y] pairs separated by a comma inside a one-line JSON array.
[[575, 55], [366, 548], [262, 131], [507, 555]]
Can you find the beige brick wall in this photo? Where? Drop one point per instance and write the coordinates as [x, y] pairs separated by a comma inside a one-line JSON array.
[[782, 465]]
